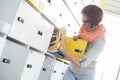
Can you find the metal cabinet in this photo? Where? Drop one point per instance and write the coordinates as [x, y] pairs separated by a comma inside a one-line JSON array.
[[42, 33], [33, 66], [58, 13], [75, 6], [25, 24], [8, 10], [29, 28], [2, 44], [12, 61], [47, 68], [59, 70]]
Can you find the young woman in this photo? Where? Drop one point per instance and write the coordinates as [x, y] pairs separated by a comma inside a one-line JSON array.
[[93, 31]]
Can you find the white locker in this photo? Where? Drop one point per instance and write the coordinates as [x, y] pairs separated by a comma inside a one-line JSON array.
[[2, 44], [26, 25], [12, 61], [59, 14], [33, 66], [64, 70], [75, 6], [47, 68], [58, 70], [30, 29], [8, 10]]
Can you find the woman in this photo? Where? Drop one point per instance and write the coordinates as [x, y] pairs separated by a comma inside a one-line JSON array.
[[93, 31]]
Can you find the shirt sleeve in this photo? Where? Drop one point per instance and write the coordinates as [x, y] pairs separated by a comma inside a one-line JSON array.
[[92, 52]]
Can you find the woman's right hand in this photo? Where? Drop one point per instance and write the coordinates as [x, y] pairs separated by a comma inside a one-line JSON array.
[[63, 42]]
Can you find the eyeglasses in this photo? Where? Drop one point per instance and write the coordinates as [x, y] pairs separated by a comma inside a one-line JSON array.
[[85, 21]]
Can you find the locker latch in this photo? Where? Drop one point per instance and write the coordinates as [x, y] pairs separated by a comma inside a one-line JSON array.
[[6, 60]]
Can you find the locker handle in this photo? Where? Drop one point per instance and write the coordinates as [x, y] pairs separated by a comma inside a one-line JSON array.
[[5, 60], [44, 69], [49, 1], [78, 50], [40, 33], [29, 66], [20, 20]]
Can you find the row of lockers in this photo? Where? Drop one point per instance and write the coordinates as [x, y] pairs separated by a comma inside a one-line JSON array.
[[17, 62], [21, 22], [26, 33]]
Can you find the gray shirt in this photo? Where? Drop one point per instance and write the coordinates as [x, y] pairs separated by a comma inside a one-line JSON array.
[[88, 62]]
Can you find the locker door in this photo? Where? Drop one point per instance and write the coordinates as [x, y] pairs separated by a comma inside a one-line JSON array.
[[23, 24], [75, 7], [2, 44], [33, 66], [47, 68], [57, 72], [12, 61]]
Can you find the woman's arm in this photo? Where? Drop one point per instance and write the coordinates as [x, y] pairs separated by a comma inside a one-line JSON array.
[[75, 60]]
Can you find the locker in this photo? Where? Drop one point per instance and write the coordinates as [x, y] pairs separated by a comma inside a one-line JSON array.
[[2, 44], [33, 66], [58, 70], [42, 34], [47, 68], [12, 61], [75, 6], [59, 15], [8, 10], [66, 64], [30, 28]]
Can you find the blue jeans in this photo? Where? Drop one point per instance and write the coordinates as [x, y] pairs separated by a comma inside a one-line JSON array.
[[69, 75]]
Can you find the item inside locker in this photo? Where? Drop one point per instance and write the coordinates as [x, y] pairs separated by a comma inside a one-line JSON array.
[[55, 40]]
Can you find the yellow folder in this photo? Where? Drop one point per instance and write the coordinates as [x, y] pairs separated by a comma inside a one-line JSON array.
[[77, 48]]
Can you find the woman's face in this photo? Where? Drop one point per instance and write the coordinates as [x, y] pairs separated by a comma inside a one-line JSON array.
[[86, 23]]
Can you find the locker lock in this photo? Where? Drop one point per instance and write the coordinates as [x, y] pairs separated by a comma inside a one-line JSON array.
[[44, 69], [5, 60], [20, 20], [29, 66], [40, 33]]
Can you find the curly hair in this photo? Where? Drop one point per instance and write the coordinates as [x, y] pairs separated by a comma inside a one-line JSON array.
[[93, 13]]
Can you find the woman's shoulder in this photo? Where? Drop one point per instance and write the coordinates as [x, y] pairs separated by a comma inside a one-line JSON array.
[[99, 41]]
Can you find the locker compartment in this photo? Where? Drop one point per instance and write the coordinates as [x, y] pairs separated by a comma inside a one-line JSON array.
[[12, 61], [75, 6], [47, 68], [2, 44], [23, 24], [58, 13], [64, 70], [57, 73], [33, 66], [28, 28], [8, 10], [42, 34]]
